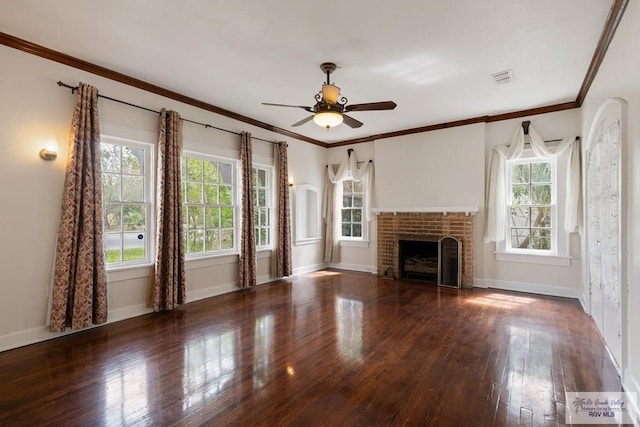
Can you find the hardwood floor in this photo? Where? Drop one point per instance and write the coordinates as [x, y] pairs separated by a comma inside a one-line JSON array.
[[331, 348]]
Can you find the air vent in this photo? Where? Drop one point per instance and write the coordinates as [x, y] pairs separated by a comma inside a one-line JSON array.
[[503, 77]]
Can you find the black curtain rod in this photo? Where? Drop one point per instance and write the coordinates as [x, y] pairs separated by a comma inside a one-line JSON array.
[[74, 88]]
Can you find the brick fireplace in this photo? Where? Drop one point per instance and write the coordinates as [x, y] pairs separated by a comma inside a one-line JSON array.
[[394, 227]]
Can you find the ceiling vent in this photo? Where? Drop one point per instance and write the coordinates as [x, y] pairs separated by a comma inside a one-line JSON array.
[[503, 77]]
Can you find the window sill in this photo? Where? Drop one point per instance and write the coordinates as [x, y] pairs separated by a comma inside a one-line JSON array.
[[558, 260], [311, 241], [354, 243]]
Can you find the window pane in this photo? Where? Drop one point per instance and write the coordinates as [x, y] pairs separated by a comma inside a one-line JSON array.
[[211, 194], [261, 197], [520, 173], [133, 217], [520, 238], [195, 241], [347, 186], [212, 217], [133, 246], [194, 192], [262, 177], [263, 237], [194, 169], [541, 239], [226, 196], [541, 217], [346, 201], [541, 172], [357, 230], [357, 201], [357, 187], [520, 195], [112, 244], [264, 217], [132, 188], [520, 217], [112, 217], [346, 230], [196, 217], [183, 167], [110, 155], [356, 215], [541, 194], [213, 240], [227, 217], [111, 187], [225, 173], [132, 161], [226, 239], [210, 172], [346, 215]]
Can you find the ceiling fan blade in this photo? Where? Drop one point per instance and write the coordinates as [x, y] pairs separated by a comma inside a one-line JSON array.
[[351, 122], [287, 105], [303, 121], [370, 106]]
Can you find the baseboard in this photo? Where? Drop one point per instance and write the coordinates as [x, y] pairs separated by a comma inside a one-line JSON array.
[[355, 267], [533, 288], [631, 385], [308, 269], [42, 333], [480, 283]]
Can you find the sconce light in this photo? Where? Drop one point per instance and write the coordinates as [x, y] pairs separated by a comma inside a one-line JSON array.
[[50, 150], [290, 181]]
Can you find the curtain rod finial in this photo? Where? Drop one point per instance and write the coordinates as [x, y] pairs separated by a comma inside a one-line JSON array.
[[525, 126]]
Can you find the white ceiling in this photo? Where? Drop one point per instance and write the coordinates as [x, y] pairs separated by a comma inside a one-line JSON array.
[[433, 58]]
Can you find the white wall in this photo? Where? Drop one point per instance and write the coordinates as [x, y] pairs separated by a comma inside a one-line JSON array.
[[34, 107], [618, 77]]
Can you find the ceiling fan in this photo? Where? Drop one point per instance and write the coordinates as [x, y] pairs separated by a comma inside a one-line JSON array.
[[330, 108]]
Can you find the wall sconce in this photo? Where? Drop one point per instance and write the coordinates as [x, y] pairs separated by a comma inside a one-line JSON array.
[[50, 150], [290, 181]]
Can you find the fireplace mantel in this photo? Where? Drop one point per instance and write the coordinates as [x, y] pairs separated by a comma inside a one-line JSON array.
[[467, 210]]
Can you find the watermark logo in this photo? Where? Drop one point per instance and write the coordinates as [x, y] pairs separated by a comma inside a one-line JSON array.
[[601, 407]]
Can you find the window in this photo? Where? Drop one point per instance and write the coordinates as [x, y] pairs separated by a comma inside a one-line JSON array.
[[262, 206], [126, 182], [208, 204], [531, 209], [351, 214]]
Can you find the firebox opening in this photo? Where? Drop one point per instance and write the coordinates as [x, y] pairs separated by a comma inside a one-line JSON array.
[[419, 260]]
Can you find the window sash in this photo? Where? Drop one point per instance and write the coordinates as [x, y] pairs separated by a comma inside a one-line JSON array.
[[351, 211], [127, 212], [263, 205], [209, 204]]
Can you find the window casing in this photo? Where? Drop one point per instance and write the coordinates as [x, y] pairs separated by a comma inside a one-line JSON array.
[[208, 197], [127, 181], [532, 225], [263, 206], [351, 213]]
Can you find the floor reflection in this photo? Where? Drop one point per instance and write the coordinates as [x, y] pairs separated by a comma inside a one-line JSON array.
[[349, 328], [263, 348], [126, 392], [209, 364]]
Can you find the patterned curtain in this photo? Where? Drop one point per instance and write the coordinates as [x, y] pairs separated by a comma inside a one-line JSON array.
[[169, 286], [79, 295], [247, 265], [283, 240]]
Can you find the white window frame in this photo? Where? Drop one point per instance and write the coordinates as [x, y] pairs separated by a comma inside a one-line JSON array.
[[234, 205], [529, 158], [269, 204], [365, 224], [150, 220]]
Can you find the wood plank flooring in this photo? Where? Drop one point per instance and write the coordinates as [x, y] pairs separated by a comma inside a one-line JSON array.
[[331, 348]]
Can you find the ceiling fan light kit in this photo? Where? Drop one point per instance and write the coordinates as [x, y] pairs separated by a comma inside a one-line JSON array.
[[330, 106]]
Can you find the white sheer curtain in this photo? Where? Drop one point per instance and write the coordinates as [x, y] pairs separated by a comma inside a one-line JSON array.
[[496, 187], [347, 169]]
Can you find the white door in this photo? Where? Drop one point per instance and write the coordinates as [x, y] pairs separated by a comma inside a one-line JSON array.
[[604, 218]]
